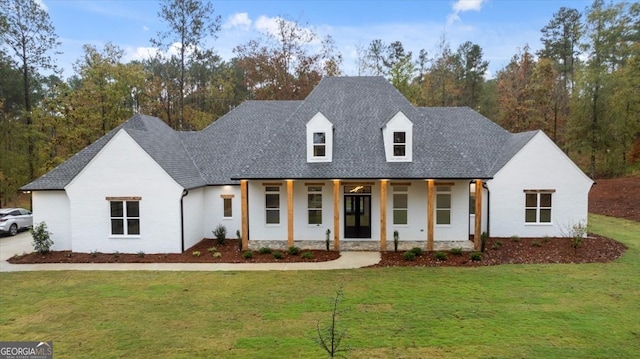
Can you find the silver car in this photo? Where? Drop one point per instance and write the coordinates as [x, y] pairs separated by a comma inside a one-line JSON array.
[[14, 219]]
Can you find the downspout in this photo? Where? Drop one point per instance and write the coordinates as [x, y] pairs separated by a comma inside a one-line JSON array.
[[184, 194], [484, 185]]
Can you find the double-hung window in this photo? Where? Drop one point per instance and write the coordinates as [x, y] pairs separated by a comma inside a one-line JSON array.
[[319, 144], [272, 204], [443, 205], [399, 144], [314, 204], [537, 206], [400, 204], [125, 217]]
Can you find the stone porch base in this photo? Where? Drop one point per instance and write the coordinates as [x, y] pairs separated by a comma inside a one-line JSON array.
[[351, 245]]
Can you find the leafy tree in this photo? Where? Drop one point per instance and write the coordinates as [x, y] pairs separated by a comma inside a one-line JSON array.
[[472, 70], [514, 97], [190, 22], [281, 66], [440, 83], [28, 33]]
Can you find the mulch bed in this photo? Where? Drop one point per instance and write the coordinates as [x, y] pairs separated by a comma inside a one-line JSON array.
[[594, 249], [229, 253], [616, 197]]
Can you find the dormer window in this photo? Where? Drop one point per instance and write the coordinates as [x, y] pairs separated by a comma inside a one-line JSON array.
[[319, 144], [399, 144], [319, 139], [397, 135]]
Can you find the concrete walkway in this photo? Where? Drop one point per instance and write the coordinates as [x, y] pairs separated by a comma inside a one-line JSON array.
[[21, 243]]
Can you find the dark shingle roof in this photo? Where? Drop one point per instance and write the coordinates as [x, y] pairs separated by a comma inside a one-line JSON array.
[[267, 139], [161, 142], [448, 142]]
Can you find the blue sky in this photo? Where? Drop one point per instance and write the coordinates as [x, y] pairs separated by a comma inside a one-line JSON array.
[[500, 27]]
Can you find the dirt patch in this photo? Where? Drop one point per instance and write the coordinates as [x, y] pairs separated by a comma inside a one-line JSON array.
[[616, 197], [229, 253]]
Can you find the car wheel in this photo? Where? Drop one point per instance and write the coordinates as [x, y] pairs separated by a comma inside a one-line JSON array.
[[13, 230]]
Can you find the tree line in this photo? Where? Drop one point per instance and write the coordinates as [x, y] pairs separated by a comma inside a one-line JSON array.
[[582, 88]]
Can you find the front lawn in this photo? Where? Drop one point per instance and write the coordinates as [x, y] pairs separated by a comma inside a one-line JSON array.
[[524, 311]]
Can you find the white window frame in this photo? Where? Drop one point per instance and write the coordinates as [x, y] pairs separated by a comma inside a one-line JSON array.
[[538, 207], [125, 218], [314, 190], [316, 125], [271, 191], [398, 144], [226, 200], [400, 191], [398, 123], [443, 190]]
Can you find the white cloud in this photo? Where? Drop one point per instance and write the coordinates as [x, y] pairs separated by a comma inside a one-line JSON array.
[[462, 6], [267, 24], [145, 28], [239, 20]]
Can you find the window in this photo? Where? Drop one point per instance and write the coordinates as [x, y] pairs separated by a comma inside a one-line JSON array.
[[400, 204], [227, 208], [537, 206], [399, 144], [272, 204], [319, 144], [443, 205], [314, 204], [125, 217]]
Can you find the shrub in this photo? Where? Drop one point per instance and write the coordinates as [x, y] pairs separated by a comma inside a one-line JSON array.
[[440, 256], [417, 251], [546, 239], [409, 256], [278, 255], [307, 255], [239, 236], [396, 239], [196, 253], [327, 241], [217, 255], [212, 249], [220, 233], [476, 256], [456, 251], [94, 253], [264, 250], [496, 245], [247, 254], [536, 244], [293, 250], [578, 231], [41, 238], [140, 254], [483, 240], [515, 238]]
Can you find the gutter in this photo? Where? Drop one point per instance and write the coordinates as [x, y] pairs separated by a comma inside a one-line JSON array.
[[184, 194]]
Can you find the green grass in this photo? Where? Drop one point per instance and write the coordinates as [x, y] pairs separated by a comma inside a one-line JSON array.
[[511, 311]]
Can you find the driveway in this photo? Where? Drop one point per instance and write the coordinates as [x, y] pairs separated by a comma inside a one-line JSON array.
[[18, 244]]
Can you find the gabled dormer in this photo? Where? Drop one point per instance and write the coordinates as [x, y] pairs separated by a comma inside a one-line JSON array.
[[319, 139], [398, 139]]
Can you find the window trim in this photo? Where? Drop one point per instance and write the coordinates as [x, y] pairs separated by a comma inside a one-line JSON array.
[[314, 190], [224, 207], [400, 190], [272, 190], [402, 145], [448, 191], [538, 206], [319, 145], [125, 217]]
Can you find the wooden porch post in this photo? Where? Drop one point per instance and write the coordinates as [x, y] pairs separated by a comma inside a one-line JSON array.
[[289, 213], [336, 215], [244, 203], [383, 215], [477, 233], [430, 214]]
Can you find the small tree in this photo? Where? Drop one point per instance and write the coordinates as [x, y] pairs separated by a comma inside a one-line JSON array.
[[578, 231], [220, 233], [327, 241], [41, 238], [330, 337], [396, 239]]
